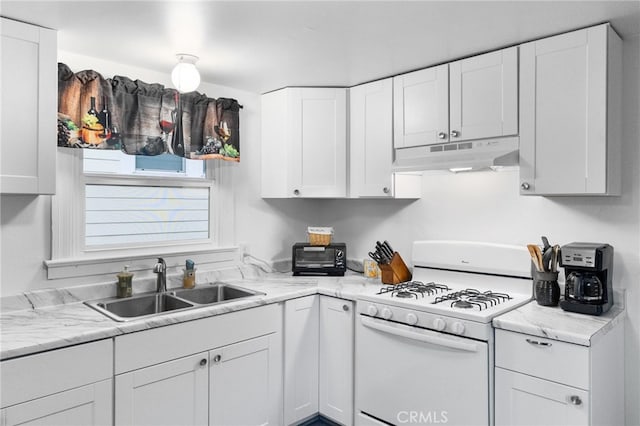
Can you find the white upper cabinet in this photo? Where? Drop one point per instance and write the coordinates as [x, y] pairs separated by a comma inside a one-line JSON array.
[[421, 107], [28, 108], [473, 98], [304, 143], [371, 145], [570, 89], [484, 96]]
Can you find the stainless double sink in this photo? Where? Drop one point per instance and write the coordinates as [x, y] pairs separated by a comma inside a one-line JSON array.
[[151, 304]]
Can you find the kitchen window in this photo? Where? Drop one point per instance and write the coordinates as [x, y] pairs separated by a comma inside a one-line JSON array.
[[142, 212], [112, 208]]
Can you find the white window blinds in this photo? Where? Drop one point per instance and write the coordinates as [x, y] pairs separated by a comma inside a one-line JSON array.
[[122, 215]]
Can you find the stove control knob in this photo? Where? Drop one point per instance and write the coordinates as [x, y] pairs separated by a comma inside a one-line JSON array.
[[411, 319], [386, 313], [372, 310], [457, 327], [439, 324]]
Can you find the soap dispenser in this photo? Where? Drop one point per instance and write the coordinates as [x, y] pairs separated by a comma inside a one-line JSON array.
[[125, 287], [189, 280]]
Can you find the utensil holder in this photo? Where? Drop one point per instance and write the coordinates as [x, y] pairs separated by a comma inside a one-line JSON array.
[[546, 288], [395, 272]]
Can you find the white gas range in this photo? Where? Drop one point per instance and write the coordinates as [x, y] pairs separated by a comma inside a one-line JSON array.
[[433, 335]]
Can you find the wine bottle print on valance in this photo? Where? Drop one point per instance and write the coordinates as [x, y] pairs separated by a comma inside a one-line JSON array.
[[144, 119]]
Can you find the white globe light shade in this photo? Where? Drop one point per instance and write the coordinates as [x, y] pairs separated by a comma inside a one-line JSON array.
[[185, 76]]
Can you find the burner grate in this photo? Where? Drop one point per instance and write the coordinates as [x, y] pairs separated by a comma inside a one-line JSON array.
[[472, 299], [414, 289]]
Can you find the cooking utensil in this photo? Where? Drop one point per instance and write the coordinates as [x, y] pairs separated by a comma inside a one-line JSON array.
[[547, 259], [536, 256], [545, 243], [383, 252], [376, 257], [388, 247], [554, 258]]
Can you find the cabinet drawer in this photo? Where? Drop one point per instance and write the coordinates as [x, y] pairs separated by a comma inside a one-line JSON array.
[[46, 373], [545, 358], [145, 348]]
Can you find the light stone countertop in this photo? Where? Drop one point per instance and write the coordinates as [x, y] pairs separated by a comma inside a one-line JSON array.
[[50, 319], [556, 324]]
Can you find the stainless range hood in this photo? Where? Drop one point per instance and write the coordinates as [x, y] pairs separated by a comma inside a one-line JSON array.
[[479, 154]]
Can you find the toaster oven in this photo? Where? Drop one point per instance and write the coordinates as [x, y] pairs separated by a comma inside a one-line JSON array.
[[308, 259]]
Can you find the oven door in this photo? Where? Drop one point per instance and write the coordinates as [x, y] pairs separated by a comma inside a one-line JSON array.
[[410, 375]]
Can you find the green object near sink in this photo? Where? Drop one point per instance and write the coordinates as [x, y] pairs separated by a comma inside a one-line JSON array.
[[148, 305]]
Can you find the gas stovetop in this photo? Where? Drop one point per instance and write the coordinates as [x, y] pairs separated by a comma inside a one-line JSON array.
[[461, 280], [474, 304]]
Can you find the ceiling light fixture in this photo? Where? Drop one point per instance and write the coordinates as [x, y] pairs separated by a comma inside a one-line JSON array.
[[185, 75]]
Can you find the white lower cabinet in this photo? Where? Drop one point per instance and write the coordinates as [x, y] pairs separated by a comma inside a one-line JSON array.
[[86, 405], [223, 370], [244, 383], [536, 401], [336, 359], [301, 330], [541, 381], [70, 386], [319, 359], [171, 393]]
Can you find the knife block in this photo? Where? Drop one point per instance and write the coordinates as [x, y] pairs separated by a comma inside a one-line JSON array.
[[395, 272]]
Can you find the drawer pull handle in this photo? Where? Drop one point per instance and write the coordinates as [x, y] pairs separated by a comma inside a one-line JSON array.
[[535, 342], [203, 362], [217, 358], [575, 400]]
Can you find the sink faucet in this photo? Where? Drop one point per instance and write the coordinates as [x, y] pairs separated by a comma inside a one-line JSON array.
[[161, 270]]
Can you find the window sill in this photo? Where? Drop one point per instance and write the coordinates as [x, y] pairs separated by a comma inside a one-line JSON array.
[[110, 264]]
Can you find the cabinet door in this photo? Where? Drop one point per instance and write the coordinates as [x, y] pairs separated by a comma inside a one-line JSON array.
[[28, 108], [336, 359], [483, 96], [245, 383], [171, 393], [318, 142], [525, 400], [563, 107], [421, 107], [301, 328], [83, 406], [371, 142]]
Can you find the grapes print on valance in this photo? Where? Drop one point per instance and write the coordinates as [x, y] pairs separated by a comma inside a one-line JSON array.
[[144, 118]]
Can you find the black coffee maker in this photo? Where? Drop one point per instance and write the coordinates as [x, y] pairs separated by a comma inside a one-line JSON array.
[[588, 270]]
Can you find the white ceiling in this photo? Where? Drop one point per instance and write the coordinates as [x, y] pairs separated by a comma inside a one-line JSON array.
[[263, 45]]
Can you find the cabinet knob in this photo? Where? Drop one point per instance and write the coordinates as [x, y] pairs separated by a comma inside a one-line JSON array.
[[442, 135], [296, 192], [217, 358], [345, 308], [525, 186], [575, 400], [455, 133], [203, 362], [385, 190]]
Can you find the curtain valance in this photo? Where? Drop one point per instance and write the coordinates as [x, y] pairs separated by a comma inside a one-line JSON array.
[[144, 118]]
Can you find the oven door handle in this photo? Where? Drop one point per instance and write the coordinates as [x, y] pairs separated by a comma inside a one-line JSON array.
[[423, 336]]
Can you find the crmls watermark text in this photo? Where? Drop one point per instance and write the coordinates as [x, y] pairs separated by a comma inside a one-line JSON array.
[[422, 417]]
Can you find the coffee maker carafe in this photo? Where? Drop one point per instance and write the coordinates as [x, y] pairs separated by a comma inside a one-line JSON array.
[[588, 270]]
